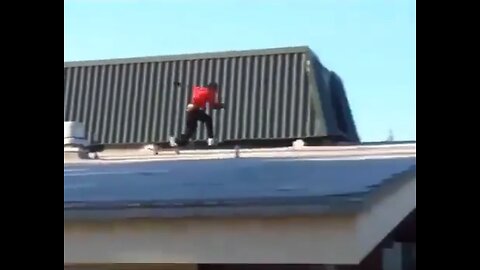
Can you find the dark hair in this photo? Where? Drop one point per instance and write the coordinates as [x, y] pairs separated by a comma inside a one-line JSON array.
[[212, 85]]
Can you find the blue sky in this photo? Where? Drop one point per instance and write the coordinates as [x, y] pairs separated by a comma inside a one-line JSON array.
[[371, 44]]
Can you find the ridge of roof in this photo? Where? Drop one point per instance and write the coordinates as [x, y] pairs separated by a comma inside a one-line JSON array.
[[188, 56]]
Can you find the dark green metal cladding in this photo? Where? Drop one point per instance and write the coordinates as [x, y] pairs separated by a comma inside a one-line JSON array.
[[269, 94]]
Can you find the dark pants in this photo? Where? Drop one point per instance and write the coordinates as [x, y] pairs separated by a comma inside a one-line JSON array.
[[192, 118]]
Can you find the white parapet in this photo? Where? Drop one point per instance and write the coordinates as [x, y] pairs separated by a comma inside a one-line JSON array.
[[74, 134]]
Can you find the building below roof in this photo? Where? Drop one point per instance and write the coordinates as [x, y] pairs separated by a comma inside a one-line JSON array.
[[341, 206]]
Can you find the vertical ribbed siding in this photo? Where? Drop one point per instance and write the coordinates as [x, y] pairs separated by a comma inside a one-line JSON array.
[[344, 115], [266, 97]]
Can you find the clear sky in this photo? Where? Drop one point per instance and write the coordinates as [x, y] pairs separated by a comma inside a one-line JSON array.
[[369, 43]]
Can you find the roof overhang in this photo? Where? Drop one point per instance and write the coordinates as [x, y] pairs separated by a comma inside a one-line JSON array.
[[322, 239]]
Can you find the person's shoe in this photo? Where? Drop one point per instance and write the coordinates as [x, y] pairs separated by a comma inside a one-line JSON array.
[[172, 142], [210, 141]]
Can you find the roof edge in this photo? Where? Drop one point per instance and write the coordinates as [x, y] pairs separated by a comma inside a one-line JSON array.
[[192, 56], [390, 185], [345, 152], [240, 211]]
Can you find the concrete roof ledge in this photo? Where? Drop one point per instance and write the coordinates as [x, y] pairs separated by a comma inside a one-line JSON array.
[[320, 152]]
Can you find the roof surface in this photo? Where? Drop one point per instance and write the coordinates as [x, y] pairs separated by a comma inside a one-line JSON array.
[[219, 186]]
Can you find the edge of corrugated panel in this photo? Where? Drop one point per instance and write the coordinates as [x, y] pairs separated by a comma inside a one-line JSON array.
[[208, 55]]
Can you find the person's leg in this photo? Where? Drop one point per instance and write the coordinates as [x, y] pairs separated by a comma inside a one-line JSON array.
[[207, 120], [191, 127]]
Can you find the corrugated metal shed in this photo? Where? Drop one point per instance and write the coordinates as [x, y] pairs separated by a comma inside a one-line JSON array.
[[270, 94]]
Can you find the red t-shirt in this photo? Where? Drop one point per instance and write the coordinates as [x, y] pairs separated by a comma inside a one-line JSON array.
[[202, 96]]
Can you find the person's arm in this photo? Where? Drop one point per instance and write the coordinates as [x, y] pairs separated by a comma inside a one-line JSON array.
[[190, 105], [214, 102]]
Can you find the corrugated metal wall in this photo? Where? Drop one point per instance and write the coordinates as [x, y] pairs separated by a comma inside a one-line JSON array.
[[344, 116], [266, 96]]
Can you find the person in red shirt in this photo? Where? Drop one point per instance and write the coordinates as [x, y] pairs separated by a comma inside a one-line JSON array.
[[196, 112]]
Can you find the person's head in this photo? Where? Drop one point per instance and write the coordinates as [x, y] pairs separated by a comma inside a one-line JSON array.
[[213, 86]]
